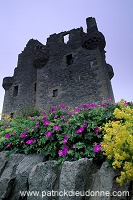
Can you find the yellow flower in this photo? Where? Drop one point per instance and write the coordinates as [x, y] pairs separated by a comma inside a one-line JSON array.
[[118, 141]]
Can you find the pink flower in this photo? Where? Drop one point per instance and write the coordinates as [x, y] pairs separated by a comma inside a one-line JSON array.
[[48, 134], [80, 130], [63, 117], [97, 148], [7, 136], [23, 135], [103, 105], [37, 123], [30, 141], [26, 129], [65, 150], [65, 140], [63, 106], [60, 153], [36, 127], [7, 146], [74, 146], [53, 111], [77, 109], [46, 123], [13, 133], [70, 113], [92, 105], [85, 106], [96, 130], [110, 99], [55, 116], [4, 126], [56, 128], [85, 124], [44, 117], [53, 107]]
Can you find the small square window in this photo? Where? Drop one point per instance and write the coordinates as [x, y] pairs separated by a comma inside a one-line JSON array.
[[55, 93], [69, 59], [15, 92]]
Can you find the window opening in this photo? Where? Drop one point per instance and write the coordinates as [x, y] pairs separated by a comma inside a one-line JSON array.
[[15, 92], [35, 87], [55, 93], [69, 59], [66, 38]]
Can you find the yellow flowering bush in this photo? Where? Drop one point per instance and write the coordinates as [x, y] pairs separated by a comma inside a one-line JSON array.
[[118, 141]]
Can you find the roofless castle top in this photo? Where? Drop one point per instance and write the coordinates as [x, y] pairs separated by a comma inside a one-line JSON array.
[[72, 72]]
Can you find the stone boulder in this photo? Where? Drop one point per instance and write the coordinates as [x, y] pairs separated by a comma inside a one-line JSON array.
[[14, 172]]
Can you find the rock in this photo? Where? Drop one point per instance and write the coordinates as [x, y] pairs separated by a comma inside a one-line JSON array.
[[75, 177], [3, 162], [22, 174], [102, 183], [43, 178], [28, 177], [120, 192], [105, 187], [8, 169]]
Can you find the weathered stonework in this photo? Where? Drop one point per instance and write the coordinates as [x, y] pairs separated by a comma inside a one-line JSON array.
[[30, 177], [72, 73]]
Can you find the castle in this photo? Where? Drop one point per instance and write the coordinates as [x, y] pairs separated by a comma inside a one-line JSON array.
[[60, 72]]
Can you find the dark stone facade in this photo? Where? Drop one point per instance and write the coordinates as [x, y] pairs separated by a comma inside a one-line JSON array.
[[72, 72]]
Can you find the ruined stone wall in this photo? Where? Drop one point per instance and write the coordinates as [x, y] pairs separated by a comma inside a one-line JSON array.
[[72, 72], [75, 83], [76, 70], [21, 91]]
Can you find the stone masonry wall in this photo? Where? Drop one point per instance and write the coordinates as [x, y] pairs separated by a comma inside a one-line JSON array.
[[85, 79], [24, 80], [72, 72]]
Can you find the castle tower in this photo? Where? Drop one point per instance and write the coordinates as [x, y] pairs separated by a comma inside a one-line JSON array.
[[20, 89], [72, 72]]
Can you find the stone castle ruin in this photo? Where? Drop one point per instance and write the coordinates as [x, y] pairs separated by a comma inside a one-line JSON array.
[[72, 72]]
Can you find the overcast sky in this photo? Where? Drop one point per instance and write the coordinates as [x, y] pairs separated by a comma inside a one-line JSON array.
[[21, 20]]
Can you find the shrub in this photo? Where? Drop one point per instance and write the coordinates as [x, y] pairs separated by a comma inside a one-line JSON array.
[[118, 141], [28, 111], [61, 134], [92, 131]]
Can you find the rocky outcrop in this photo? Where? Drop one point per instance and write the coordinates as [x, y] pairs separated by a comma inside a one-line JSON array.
[[29, 177]]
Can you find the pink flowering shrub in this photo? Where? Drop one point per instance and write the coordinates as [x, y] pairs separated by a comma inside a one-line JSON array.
[[61, 134]]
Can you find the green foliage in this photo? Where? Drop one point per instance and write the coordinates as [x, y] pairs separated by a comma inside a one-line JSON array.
[[61, 134], [28, 111], [91, 131]]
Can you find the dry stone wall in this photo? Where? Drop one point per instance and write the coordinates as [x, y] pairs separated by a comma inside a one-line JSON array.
[[30, 177]]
